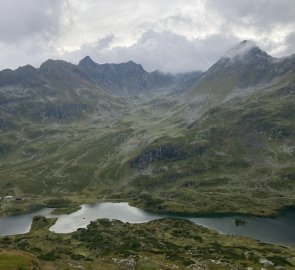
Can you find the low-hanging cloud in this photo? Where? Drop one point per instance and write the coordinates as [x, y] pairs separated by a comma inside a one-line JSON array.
[[164, 51], [290, 44]]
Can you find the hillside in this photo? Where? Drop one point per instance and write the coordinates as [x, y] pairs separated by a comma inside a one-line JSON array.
[[172, 143], [238, 157]]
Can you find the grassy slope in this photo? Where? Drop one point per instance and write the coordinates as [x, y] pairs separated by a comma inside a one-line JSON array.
[[238, 157], [81, 161]]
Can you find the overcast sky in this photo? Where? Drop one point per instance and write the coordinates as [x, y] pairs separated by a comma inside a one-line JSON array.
[[168, 35]]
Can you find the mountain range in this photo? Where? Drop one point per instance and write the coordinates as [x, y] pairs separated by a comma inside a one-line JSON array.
[[216, 141]]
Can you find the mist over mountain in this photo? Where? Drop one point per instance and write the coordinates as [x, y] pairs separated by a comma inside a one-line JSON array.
[[243, 70], [131, 79]]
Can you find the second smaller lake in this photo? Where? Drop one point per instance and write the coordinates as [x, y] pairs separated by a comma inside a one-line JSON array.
[[11, 225], [90, 212]]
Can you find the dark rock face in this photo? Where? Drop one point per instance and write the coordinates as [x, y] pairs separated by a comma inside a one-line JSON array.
[[264, 123], [117, 79], [165, 152], [4, 148], [59, 90], [129, 79]]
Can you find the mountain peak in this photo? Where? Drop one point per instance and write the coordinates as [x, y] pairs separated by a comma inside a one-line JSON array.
[[87, 61], [26, 68], [241, 48], [51, 63], [133, 65], [130, 62], [246, 48]]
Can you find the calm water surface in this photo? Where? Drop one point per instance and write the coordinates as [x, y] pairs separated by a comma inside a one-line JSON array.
[[279, 230], [10, 225], [87, 213]]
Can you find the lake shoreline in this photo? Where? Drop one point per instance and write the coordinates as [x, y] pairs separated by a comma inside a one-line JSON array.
[[75, 205], [271, 214]]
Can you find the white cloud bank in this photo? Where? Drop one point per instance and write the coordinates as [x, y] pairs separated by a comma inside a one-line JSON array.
[[169, 35]]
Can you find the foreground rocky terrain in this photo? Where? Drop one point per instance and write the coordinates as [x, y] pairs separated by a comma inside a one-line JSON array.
[[162, 244]]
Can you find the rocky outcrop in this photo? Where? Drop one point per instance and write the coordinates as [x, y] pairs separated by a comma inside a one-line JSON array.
[[4, 148], [165, 152]]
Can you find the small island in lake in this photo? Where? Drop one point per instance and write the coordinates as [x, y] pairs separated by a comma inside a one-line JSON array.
[[240, 221]]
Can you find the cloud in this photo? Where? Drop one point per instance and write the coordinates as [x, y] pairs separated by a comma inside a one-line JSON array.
[[170, 35], [238, 51], [268, 22], [28, 52], [94, 20], [29, 19], [290, 44], [260, 13], [29, 30], [165, 51]]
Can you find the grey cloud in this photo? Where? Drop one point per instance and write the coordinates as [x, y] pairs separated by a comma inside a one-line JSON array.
[[260, 13], [290, 41], [98, 48], [267, 22], [105, 42], [29, 52], [21, 19]]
